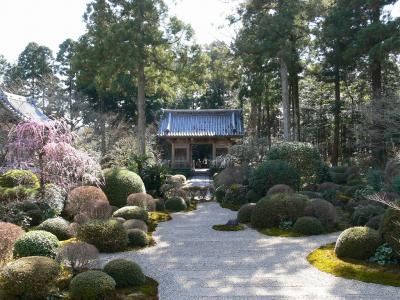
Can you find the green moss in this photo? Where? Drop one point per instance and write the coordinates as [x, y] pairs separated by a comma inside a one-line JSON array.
[[324, 259], [279, 232], [224, 227], [147, 291]]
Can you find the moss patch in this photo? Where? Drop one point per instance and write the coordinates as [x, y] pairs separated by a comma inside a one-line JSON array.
[[224, 227], [279, 232], [233, 207], [148, 291], [324, 259]]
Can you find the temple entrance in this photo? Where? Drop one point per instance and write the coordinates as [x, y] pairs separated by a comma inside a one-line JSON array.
[[202, 154]]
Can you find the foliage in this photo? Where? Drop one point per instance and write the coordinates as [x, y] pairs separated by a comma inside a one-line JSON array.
[[29, 277], [106, 235], [83, 198], [390, 229], [220, 193], [125, 273], [363, 213], [9, 233], [383, 256], [135, 224], [375, 222], [375, 179], [36, 243], [279, 188], [249, 150], [357, 243], [273, 172], [92, 285], [275, 231], [143, 200], [175, 204], [230, 176], [308, 226], [137, 238], [54, 196], [176, 180], [120, 183], [131, 212], [244, 213], [160, 205], [224, 227], [57, 226], [323, 210], [77, 255], [235, 194], [14, 178], [154, 176]]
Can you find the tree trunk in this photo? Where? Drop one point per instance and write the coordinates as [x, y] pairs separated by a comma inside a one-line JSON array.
[[141, 132], [285, 99], [337, 120], [253, 120], [296, 100]]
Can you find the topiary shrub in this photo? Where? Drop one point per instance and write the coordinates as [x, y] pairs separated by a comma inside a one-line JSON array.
[[357, 243], [77, 255], [57, 226], [135, 224], [14, 178], [36, 243], [230, 176], [131, 212], [308, 226], [235, 194], [106, 235], [125, 273], [375, 222], [160, 205], [244, 213], [271, 173], [9, 233], [279, 188], [219, 193], [92, 285], [390, 229], [323, 210], [176, 180], [252, 196], [363, 213], [83, 198], [137, 238], [29, 277], [325, 186], [270, 211], [143, 200], [175, 204], [120, 183]]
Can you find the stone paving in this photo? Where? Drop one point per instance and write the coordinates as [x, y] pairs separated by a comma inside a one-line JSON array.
[[193, 261]]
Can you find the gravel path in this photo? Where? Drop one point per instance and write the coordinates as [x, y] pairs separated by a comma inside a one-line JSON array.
[[192, 261]]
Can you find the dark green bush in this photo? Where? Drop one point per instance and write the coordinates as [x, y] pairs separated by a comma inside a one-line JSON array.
[[160, 205], [57, 226], [357, 243], [120, 183], [36, 243], [220, 193], [125, 273], [390, 229], [279, 188], [308, 226], [235, 194], [137, 238], [244, 213], [375, 222], [92, 285], [273, 172], [339, 174], [363, 213], [154, 177], [106, 235], [230, 176], [323, 210], [143, 200], [311, 194], [135, 224], [252, 196], [175, 204], [29, 277], [375, 179], [131, 212], [14, 178], [270, 211]]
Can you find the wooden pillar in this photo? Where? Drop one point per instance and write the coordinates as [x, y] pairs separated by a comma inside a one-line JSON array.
[[214, 151]]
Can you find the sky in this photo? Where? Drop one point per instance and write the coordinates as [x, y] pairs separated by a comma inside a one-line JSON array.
[[50, 22]]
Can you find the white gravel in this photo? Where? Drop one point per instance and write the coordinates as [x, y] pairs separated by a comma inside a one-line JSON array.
[[193, 261]]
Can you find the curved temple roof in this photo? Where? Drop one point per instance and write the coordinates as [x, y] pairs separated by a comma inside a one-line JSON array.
[[23, 108], [201, 123]]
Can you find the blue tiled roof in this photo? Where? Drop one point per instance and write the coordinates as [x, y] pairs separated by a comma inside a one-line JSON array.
[[201, 123], [23, 108]]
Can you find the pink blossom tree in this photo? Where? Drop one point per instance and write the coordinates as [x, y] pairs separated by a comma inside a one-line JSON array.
[[46, 147]]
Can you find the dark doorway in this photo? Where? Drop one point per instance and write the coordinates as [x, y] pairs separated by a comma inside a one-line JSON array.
[[202, 155]]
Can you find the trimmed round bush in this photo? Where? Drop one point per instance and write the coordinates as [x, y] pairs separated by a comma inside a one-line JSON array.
[[106, 235], [57, 226], [120, 183], [137, 238], [326, 186], [29, 277], [175, 204], [390, 230], [235, 194], [9, 233], [125, 273], [143, 200], [131, 212], [36, 243], [375, 222], [92, 285], [176, 180], [83, 198], [311, 194], [270, 211], [273, 172], [322, 210], [14, 178], [135, 224], [252, 196], [230, 176], [244, 213], [279, 188], [160, 205], [363, 213], [308, 226], [220, 193], [357, 243]]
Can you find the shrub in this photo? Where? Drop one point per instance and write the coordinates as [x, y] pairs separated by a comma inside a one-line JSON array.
[[57, 226], [106, 235], [14, 178], [339, 174], [311, 194], [29, 277], [143, 200], [18, 193], [220, 193], [9, 233], [137, 238], [54, 196], [176, 180], [230, 176], [160, 205], [92, 285], [390, 229], [323, 210], [36, 243], [363, 213], [131, 212], [270, 211], [357, 243], [308, 226], [82, 198], [327, 186], [279, 188], [375, 222], [235, 194], [271, 173], [77, 255], [244, 213], [252, 196], [154, 177], [120, 183], [135, 224], [125, 273], [175, 204]]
